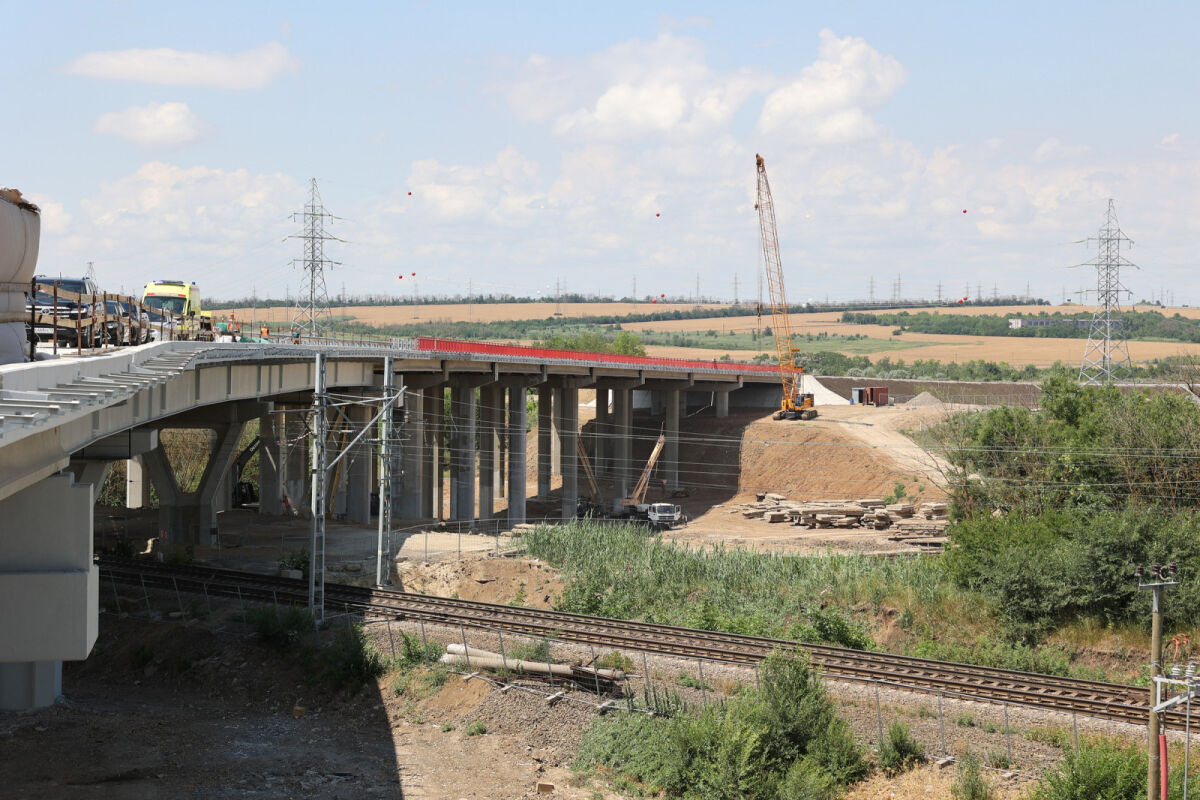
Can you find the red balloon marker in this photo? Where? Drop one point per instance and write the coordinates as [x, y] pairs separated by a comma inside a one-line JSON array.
[[964, 211], [658, 215], [410, 194], [662, 295]]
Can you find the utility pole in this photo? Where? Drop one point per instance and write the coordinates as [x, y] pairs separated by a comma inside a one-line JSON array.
[[633, 297], [312, 314], [871, 290], [735, 293], [1107, 356], [939, 294], [1164, 577], [696, 298]]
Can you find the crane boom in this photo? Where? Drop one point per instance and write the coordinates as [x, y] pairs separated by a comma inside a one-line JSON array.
[[792, 403]]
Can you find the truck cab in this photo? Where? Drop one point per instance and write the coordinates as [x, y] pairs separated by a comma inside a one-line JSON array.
[[180, 299]]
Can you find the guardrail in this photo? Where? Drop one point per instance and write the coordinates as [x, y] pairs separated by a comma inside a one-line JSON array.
[[438, 344]]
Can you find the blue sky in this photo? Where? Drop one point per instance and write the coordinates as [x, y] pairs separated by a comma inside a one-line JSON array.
[[539, 141]]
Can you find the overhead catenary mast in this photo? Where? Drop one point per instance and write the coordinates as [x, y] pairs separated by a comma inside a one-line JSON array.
[[312, 302]]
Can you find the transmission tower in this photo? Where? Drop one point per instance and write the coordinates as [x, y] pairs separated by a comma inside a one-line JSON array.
[[1107, 355], [312, 311]]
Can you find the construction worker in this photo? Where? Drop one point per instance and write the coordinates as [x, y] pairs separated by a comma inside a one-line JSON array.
[[264, 332]]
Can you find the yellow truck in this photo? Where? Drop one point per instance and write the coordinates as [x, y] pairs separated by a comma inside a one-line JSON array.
[[180, 301]]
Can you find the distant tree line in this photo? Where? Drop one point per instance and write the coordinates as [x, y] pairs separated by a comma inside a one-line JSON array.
[[1135, 324]]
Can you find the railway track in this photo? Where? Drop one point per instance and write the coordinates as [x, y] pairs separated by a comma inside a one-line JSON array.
[[1091, 698]]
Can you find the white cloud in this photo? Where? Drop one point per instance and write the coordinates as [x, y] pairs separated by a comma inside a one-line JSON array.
[[153, 125], [631, 90], [830, 101], [251, 69], [55, 219]]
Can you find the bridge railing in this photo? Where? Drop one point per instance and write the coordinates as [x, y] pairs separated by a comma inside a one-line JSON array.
[[438, 344]]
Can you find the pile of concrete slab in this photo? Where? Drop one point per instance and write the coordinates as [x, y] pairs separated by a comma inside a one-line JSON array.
[[901, 519]]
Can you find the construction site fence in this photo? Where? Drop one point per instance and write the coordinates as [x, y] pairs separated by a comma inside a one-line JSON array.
[[939, 719]]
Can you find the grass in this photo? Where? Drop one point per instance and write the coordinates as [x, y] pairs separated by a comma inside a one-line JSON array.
[[622, 572]]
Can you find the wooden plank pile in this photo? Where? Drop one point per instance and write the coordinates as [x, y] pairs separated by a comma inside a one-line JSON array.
[[901, 519]]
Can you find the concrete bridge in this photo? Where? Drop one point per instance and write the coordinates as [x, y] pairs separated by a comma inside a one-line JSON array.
[[64, 422]]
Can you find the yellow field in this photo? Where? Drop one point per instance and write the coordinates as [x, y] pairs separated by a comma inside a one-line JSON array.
[[1017, 351], [478, 312]]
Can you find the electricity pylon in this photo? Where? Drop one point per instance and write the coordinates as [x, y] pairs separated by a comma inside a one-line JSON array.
[[1106, 356], [312, 307]]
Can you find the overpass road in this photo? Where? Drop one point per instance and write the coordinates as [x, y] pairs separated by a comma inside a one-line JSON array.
[[64, 422]]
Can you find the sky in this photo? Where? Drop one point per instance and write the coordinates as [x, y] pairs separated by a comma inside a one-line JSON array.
[[510, 148]]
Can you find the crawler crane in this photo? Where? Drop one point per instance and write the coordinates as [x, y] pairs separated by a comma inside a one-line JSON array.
[[794, 405]]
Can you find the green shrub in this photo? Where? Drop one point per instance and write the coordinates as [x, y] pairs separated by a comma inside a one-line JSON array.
[[349, 660], [419, 683], [476, 729], [969, 783], [538, 650], [413, 652], [1097, 770], [899, 752], [282, 628], [997, 758], [781, 741]]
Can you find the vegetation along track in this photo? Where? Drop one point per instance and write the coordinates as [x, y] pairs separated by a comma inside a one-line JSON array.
[[1090, 698]]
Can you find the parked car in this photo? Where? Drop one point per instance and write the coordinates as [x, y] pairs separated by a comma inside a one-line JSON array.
[[162, 326], [68, 310], [127, 323]]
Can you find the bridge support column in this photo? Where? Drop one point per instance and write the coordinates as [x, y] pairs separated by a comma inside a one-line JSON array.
[[556, 465], [516, 455], [409, 490], [567, 414], [671, 451], [357, 480], [490, 415], [190, 517], [270, 485], [49, 589], [721, 403], [137, 483], [545, 398], [293, 459], [600, 446], [431, 496], [462, 453], [622, 443]]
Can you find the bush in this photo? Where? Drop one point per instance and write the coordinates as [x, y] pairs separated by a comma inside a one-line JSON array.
[[899, 752], [1098, 770], [282, 628], [349, 661], [781, 741], [476, 729], [969, 783]]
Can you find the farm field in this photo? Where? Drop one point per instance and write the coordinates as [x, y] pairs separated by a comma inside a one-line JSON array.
[[880, 343]]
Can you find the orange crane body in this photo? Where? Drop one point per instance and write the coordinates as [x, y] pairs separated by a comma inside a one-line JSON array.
[[794, 404]]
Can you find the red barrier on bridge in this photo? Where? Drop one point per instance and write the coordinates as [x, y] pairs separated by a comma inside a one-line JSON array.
[[521, 351]]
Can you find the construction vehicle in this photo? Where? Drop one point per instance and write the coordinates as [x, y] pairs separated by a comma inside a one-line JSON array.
[[794, 404], [661, 516], [181, 300]]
